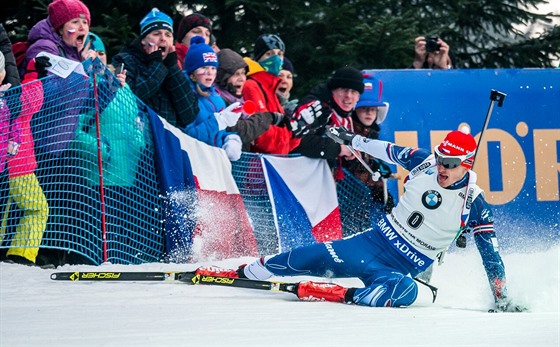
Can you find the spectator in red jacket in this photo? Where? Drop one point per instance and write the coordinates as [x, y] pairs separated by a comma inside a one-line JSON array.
[[262, 83]]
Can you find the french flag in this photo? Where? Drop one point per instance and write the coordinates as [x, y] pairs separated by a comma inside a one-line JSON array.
[[303, 196], [204, 215]]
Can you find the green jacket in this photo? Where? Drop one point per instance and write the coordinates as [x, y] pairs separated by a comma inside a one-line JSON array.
[[122, 141]]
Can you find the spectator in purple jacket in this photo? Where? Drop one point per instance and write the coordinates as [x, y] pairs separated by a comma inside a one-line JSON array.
[[63, 32]]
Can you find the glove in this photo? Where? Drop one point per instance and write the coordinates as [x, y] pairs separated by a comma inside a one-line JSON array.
[[41, 65], [232, 146], [13, 148], [277, 118], [171, 59], [304, 117], [311, 111], [226, 117], [340, 135], [506, 305]]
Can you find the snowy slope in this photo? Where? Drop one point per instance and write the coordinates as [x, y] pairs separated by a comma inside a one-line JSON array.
[[36, 311]]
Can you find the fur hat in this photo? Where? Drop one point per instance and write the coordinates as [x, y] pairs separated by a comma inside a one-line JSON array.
[[267, 42], [458, 143], [155, 20], [192, 21], [229, 62], [199, 55], [347, 77], [62, 11]]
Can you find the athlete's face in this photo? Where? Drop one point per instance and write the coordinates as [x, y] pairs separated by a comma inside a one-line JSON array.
[[447, 177]]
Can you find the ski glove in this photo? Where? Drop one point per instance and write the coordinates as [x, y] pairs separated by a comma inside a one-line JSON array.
[[506, 305], [232, 146], [227, 117], [304, 117], [340, 135]]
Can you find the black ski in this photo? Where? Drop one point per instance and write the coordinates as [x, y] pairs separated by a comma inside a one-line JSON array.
[[194, 279], [114, 276]]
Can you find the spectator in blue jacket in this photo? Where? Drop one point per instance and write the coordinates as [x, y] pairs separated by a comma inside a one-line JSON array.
[[201, 66]]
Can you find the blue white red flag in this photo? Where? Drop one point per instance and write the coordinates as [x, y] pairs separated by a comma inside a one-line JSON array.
[[204, 215], [303, 196]]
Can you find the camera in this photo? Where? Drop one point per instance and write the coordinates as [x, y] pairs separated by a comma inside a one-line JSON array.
[[431, 43]]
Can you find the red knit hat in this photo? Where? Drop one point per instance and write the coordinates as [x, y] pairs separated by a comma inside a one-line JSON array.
[[62, 11], [458, 143]]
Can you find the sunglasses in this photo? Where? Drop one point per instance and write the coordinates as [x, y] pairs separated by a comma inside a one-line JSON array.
[[450, 162]]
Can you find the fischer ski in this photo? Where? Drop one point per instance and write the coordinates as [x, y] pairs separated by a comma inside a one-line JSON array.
[[195, 279], [185, 277], [115, 276]]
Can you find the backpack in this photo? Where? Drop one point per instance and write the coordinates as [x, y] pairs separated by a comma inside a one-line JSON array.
[[19, 49]]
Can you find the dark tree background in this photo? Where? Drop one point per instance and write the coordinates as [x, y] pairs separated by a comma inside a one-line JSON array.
[[322, 35]]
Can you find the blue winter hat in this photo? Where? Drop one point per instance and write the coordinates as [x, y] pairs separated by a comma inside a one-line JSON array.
[[155, 20], [199, 55], [371, 97]]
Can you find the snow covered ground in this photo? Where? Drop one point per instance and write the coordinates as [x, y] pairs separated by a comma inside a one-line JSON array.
[[36, 311]]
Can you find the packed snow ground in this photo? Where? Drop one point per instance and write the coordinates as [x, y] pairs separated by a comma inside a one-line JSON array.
[[36, 311]]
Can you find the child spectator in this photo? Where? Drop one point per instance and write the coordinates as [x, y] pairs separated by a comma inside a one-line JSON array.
[[370, 112], [201, 64], [25, 190]]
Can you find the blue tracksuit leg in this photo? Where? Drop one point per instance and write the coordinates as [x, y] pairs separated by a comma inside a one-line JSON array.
[[365, 256]]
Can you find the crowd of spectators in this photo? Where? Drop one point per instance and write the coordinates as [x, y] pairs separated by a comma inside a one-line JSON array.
[[180, 73]]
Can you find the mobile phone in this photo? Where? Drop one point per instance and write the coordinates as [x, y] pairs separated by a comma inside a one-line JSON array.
[[119, 69]]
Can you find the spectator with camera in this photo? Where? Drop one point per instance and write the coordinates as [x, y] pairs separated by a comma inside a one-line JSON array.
[[431, 52]]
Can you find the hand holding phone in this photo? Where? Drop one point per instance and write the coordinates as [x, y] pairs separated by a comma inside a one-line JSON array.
[[119, 69]]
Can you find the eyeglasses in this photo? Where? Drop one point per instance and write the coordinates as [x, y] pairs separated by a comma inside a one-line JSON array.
[[450, 162]]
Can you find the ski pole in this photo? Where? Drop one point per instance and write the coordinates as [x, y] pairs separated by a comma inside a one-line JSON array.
[[494, 96]]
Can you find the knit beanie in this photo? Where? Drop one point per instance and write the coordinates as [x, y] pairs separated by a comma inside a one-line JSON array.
[[62, 11], [2, 62], [96, 43], [192, 21], [267, 42], [287, 65], [458, 143], [199, 55], [229, 62], [155, 20], [347, 77]]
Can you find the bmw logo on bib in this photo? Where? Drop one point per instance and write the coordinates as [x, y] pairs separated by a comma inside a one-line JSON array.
[[431, 199]]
